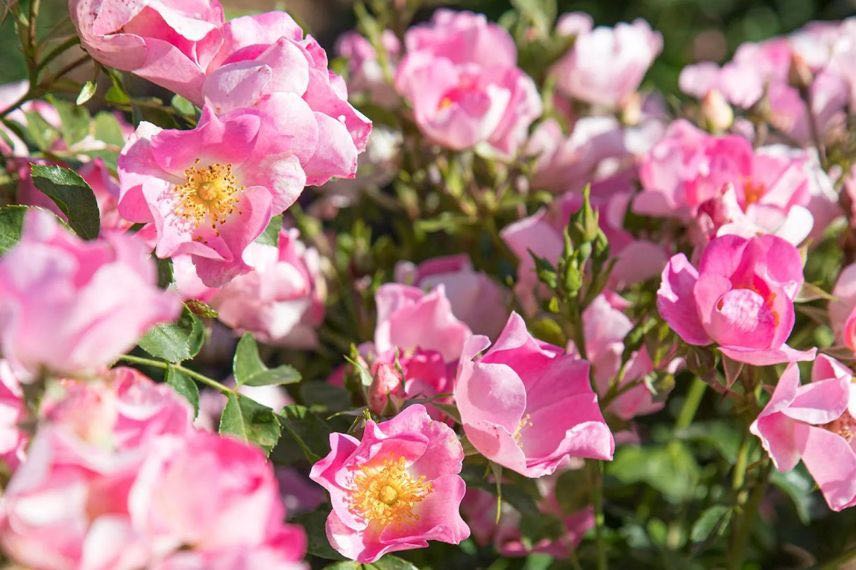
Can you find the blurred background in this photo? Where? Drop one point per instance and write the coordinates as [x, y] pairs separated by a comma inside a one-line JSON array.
[[693, 29]]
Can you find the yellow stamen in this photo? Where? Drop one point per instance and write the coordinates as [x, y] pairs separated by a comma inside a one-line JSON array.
[[753, 192], [525, 422], [209, 194], [387, 493], [845, 426]]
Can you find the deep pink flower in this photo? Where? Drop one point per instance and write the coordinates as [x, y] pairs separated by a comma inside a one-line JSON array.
[[740, 297], [460, 75], [395, 489], [606, 65], [476, 299], [815, 423], [72, 307], [168, 43], [267, 64], [528, 406], [210, 191], [724, 186], [13, 411], [842, 309]]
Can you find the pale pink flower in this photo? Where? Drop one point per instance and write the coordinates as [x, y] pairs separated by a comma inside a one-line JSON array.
[[842, 309], [395, 489], [460, 75], [741, 297], [238, 508], [606, 65], [72, 307], [266, 63], [815, 423], [409, 318], [13, 411], [365, 72], [528, 406], [209, 192], [604, 326], [281, 300], [476, 299], [168, 43], [574, 24]]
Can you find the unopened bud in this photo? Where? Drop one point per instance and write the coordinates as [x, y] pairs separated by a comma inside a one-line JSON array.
[[716, 112]]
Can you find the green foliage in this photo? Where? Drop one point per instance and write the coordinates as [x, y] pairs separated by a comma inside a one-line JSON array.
[[249, 369], [250, 421], [175, 342], [72, 195]]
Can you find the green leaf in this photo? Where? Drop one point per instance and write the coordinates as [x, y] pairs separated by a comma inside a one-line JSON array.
[[324, 397], [271, 234], [712, 519], [311, 433], [175, 342], [74, 120], [670, 469], [73, 196], [11, 225], [251, 422], [108, 130], [251, 371], [344, 565], [390, 562], [183, 106], [185, 386], [40, 131], [798, 486], [314, 524]]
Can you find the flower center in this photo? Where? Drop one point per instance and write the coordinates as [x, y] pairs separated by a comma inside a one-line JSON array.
[[209, 194], [845, 426], [387, 493], [525, 422], [753, 192]]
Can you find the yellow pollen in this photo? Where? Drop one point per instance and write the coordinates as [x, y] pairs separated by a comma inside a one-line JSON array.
[[444, 103], [753, 192], [209, 194], [525, 422], [845, 426], [387, 493]]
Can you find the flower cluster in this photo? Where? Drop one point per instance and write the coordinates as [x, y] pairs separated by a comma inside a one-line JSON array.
[[501, 331]]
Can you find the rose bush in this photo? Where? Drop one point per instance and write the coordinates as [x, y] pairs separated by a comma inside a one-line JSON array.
[[473, 291]]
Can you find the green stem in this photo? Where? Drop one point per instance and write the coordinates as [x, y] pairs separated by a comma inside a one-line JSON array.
[[691, 404], [201, 378], [745, 521], [596, 474]]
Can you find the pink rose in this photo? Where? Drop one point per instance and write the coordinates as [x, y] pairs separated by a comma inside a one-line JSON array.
[[476, 299], [725, 187], [461, 77], [267, 64], [528, 406], [842, 309], [168, 43], [209, 192], [395, 489], [365, 73], [606, 65], [814, 423], [408, 318], [72, 307], [13, 411], [281, 299], [740, 297], [238, 508]]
